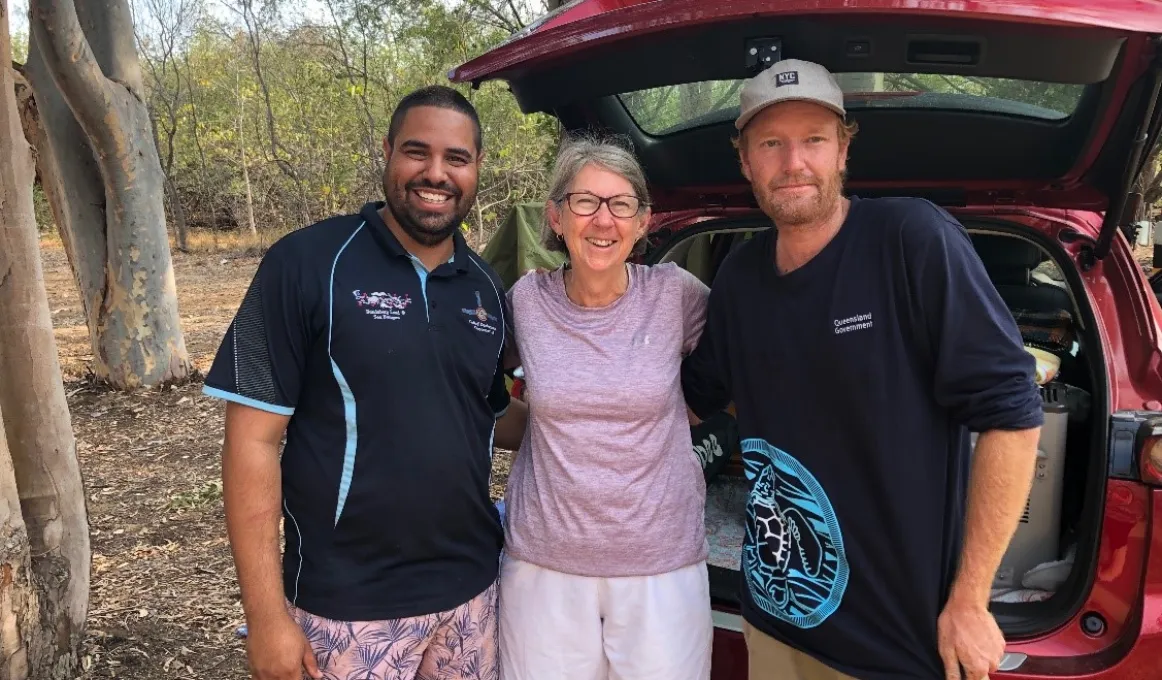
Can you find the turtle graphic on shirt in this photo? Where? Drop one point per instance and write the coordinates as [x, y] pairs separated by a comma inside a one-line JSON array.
[[793, 556]]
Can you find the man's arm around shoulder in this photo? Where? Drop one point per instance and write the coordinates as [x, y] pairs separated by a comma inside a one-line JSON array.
[[510, 426], [252, 494]]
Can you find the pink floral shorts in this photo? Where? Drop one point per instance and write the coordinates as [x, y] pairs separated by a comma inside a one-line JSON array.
[[460, 644]]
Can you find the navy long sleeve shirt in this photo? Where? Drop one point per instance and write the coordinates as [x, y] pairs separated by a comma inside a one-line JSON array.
[[856, 379]]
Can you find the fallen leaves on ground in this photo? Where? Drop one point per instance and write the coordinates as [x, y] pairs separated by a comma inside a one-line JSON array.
[[164, 599]]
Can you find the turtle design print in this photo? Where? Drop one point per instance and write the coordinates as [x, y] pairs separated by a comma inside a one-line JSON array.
[[793, 557]]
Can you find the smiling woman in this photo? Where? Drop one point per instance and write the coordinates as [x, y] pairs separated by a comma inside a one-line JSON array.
[[590, 175], [605, 538]]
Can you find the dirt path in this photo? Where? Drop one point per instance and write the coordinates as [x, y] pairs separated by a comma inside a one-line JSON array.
[[165, 600]]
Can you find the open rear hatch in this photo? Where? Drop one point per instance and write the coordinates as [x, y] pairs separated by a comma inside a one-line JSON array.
[[1014, 104], [1019, 103]]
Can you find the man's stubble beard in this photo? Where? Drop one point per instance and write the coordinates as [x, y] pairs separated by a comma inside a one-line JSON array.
[[413, 222], [800, 214]]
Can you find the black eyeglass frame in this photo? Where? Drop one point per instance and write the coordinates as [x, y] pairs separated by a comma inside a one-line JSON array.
[[568, 200]]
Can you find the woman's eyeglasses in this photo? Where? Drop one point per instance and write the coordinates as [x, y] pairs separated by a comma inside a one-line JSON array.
[[584, 204]]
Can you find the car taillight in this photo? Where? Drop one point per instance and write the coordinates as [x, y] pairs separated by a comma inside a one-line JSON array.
[[1136, 446], [1150, 457]]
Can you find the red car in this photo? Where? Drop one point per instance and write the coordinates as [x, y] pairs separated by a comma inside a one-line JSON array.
[[1031, 122]]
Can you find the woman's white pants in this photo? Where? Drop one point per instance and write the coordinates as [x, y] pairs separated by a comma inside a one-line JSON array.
[[556, 626]]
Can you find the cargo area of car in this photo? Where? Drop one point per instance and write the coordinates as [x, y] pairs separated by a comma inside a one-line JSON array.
[[1049, 565]]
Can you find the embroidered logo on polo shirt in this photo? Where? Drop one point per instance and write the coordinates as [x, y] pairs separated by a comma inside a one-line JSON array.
[[479, 317], [384, 306]]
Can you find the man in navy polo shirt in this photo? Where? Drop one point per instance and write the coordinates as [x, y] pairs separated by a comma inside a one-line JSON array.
[[375, 343]]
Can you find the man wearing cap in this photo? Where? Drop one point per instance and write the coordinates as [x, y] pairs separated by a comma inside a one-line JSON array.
[[861, 340]]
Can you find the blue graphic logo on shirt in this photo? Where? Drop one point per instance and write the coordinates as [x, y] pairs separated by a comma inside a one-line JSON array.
[[793, 556]]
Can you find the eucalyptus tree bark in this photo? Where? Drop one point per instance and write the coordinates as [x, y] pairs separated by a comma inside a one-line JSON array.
[[84, 52], [72, 183], [19, 605], [38, 461]]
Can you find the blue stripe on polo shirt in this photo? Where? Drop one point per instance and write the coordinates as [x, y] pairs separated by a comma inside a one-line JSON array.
[[247, 401], [344, 389]]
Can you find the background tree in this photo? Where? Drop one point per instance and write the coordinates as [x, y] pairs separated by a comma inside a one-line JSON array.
[[42, 501], [163, 29], [102, 175]]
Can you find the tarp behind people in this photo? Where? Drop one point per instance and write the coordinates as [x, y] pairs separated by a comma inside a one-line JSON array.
[[516, 248]]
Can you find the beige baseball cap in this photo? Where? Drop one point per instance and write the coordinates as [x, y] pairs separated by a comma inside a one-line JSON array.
[[789, 80]]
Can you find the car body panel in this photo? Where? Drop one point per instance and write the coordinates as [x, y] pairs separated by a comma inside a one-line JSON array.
[[595, 22]]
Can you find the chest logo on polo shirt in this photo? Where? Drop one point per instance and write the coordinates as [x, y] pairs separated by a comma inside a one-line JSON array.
[[384, 306], [793, 558], [479, 317]]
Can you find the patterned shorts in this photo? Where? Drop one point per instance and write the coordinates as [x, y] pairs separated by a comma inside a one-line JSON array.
[[460, 644]]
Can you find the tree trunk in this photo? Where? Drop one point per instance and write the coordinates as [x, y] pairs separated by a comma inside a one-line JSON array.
[[179, 215], [39, 449], [72, 183], [250, 225], [19, 606], [171, 191], [132, 303]]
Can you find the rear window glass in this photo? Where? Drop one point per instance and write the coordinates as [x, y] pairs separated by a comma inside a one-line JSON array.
[[673, 108]]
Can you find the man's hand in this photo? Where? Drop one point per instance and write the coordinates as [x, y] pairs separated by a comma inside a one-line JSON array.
[[969, 638], [278, 650]]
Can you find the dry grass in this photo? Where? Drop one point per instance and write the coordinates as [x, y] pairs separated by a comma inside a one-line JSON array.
[[228, 242], [165, 600]]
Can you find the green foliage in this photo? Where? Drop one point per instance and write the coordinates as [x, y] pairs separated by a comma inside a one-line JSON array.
[[331, 83], [209, 493], [44, 219]]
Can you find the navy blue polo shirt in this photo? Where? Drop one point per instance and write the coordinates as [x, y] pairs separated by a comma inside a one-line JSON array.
[[392, 379]]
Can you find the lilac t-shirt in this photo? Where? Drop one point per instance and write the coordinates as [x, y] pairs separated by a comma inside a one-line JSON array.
[[606, 482]]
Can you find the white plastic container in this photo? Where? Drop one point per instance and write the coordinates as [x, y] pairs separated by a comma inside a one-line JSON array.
[[1037, 538]]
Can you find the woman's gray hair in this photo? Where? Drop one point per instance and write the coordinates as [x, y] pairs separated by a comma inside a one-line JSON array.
[[578, 152]]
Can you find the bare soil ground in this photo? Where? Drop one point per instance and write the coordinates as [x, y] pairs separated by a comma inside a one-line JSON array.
[[165, 600]]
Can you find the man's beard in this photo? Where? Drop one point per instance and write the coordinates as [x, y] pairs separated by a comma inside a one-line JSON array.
[[801, 211], [426, 228]]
